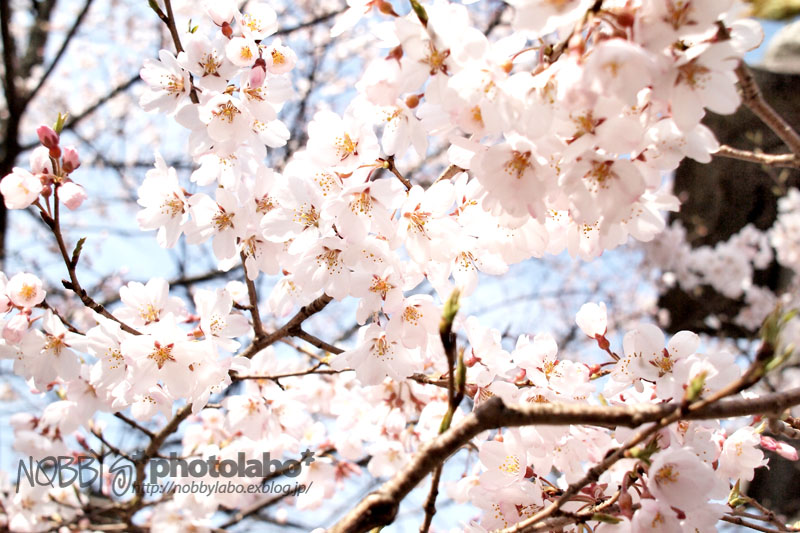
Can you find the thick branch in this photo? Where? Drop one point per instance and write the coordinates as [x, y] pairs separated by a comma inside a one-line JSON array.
[[258, 326], [37, 37], [754, 99], [9, 57], [67, 38], [156, 441], [380, 507]]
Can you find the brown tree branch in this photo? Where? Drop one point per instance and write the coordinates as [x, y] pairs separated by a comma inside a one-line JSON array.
[[741, 522], [380, 507], [152, 449], [770, 160], [134, 424], [389, 165], [321, 18], [754, 99], [37, 38], [319, 343], [449, 172], [258, 326], [67, 38], [289, 329], [73, 284], [9, 58]]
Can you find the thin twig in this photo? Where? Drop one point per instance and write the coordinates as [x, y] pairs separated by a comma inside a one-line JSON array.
[[74, 285], [274, 377], [309, 23], [770, 160], [134, 424], [9, 58], [319, 343], [741, 522], [389, 165], [449, 172], [69, 326]]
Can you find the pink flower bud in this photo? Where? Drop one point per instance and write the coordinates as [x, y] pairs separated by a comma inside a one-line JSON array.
[[227, 31], [15, 329], [781, 448], [257, 74], [786, 451], [70, 160], [47, 136], [71, 195]]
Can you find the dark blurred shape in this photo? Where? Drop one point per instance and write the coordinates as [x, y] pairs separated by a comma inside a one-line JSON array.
[[778, 488], [720, 198]]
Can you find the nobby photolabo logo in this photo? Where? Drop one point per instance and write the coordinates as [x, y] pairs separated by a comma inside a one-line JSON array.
[[165, 474]]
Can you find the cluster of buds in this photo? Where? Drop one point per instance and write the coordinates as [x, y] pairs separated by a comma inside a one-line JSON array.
[[51, 164]]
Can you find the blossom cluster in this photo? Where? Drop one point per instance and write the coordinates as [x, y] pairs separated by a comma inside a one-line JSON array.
[[557, 137]]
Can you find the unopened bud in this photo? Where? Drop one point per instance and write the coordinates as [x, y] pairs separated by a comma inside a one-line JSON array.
[[626, 18], [412, 101], [81, 441], [602, 342], [15, 329], [40, 161], [227, 31], [386, 8], [395, 53], [47, 136], [70, 160], [258, 73], [71, 195], [781, 448]]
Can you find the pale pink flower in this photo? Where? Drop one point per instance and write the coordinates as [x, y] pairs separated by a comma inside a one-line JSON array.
[[241, 52], [167, 82], [655, 517], [740, 455], [164, 204], [258, 20], [20, 188], [678, 478], [375, 357], [25, 290]]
